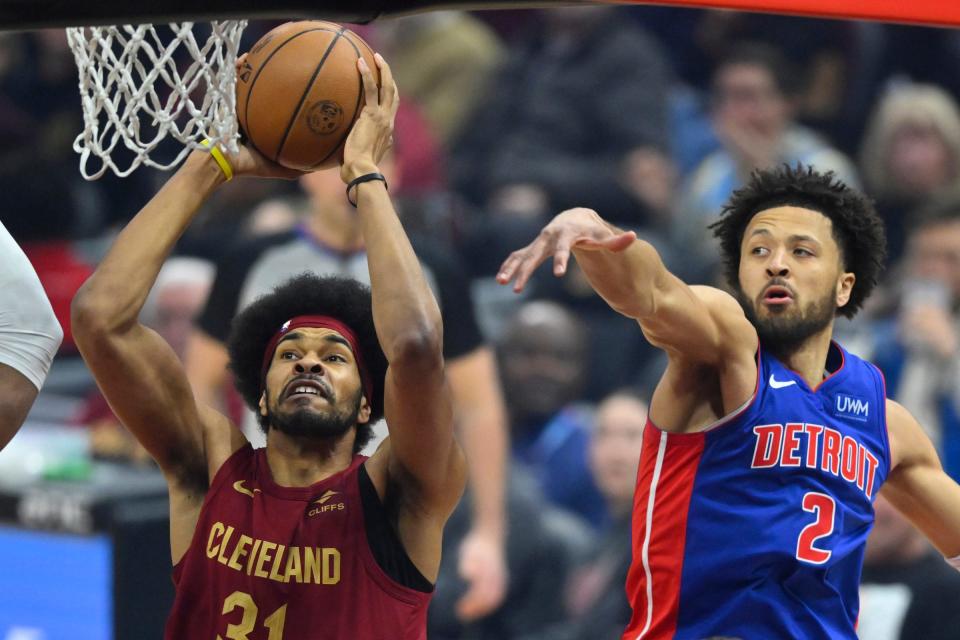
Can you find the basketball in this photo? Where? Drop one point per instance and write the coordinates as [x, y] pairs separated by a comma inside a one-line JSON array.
[[299, 93]]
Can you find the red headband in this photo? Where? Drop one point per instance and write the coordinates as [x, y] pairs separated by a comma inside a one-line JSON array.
[[325, 322]]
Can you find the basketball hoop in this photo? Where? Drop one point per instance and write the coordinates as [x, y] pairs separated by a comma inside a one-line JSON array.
[[138, 88]]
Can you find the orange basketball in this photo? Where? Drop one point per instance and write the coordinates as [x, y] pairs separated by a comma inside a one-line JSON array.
[[299, 92]]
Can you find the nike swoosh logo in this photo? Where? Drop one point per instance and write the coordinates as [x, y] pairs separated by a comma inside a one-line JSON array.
[[777, 384], [238, 485]]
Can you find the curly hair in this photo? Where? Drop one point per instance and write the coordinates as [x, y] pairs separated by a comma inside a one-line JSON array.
[[857, 228], [306, 294]]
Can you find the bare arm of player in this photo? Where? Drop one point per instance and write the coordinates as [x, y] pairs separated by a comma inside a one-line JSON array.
[[138, 372], [421, 460], [700, 324], [699, 327], [918, 486]]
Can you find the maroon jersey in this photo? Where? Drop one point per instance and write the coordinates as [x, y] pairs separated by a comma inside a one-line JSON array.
[[288, 563]]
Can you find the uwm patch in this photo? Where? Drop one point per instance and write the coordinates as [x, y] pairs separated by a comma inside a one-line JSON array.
[[851, 407]]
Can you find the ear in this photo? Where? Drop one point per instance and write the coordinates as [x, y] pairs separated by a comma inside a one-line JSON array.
[[263, 403], [363, 417], [845, 288]]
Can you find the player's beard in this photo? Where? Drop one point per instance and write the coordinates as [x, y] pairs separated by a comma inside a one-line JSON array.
[[785, 332], [304, 422]]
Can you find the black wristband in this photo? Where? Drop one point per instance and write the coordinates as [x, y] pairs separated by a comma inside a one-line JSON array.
[[367, 177]]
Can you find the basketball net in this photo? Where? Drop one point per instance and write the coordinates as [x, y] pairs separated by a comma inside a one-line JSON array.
[[138, 88]]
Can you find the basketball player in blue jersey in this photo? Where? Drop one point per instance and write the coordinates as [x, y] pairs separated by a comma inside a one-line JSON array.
[[766, 442]]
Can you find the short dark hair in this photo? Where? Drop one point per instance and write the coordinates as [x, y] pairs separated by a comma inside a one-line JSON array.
[[857, 228], [346, 300], [761, 54]]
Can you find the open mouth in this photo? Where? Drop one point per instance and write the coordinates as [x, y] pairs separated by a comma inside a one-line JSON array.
[[777, 295], [301, 388]]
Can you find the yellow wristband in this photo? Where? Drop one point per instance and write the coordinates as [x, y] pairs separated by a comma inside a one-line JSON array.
[[220, 159]]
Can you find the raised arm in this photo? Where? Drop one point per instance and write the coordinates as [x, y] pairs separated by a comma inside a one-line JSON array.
[[423, 459], [700, 325], [29, 336], [918, 486], [139, 374]]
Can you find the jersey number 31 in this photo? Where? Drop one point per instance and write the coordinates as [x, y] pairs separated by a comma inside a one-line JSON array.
[[825, 509], [243, 601]]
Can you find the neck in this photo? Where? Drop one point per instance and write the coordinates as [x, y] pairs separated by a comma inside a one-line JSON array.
[[336, 227], [809, 359], [301, 462]]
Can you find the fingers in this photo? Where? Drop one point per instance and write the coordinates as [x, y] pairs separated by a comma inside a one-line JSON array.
[[509, 267], [389, 95], [240, 60], [620, 241], [533, 258], [561, 254], [615, 243], [370, 90], [521, 264]]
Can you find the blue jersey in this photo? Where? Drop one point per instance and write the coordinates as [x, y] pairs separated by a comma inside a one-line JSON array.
[[755, 527]]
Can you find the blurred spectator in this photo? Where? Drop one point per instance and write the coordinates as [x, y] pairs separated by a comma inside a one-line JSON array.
[[918, 349], [753, 104], [908, 592], [596, 601], [330, 242], [888, 53], [577, 115], [542, 355], [443, 61], [543, 545], [596, 596], [911, 152], [174, 302]]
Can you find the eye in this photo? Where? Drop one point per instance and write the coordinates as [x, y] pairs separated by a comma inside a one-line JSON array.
[[800, 251], [336, 357], [288, 355], [759, 251]]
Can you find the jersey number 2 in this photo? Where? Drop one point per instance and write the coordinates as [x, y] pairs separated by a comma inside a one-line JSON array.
[[825, 509], [243, 601]]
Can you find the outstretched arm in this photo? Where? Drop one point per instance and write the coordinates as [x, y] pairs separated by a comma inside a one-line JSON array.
[[423, 459], [700, 325], [29, 336], [918, 486]]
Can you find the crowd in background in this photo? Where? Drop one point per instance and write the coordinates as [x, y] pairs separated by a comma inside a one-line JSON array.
[[652, 116]]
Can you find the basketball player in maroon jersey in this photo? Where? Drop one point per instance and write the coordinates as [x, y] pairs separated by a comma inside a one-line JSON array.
[[303, 539]]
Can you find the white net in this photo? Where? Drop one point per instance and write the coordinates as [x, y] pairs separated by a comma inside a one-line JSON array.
[[142, 85]]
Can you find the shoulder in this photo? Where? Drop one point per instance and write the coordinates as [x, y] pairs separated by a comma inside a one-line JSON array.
[[221, 440], [909, 443]]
